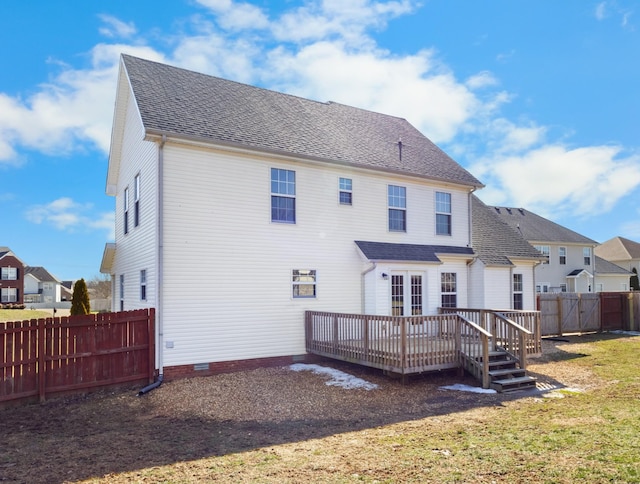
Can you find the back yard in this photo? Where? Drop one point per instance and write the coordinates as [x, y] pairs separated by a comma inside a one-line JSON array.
[[279, 425]]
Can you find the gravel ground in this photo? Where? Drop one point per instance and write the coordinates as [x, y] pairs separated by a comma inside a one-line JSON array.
[[112, 432]]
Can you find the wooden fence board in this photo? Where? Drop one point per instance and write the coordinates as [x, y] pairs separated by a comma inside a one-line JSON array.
[[45, 356]]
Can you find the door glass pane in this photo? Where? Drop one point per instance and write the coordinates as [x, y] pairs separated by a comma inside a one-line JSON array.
[[416, 295], [397, 295]]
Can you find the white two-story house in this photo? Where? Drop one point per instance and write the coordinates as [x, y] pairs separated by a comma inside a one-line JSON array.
[[238, 208]]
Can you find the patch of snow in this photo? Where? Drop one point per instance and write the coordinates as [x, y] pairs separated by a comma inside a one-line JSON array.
[[629, 333], [466, 388], [337, 378]]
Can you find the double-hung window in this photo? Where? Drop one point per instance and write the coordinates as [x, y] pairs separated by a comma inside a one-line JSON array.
[[397, 208], [283, 196], [143, 285], [443, 213], [304, 283], [517, 291], [126, 210], [9, 274], [9, 294], [136, 201], [562, 255], [544, 250], [586, 253], [448, 290], [346, 193]]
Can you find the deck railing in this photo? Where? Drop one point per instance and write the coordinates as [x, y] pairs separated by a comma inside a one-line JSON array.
[[411, 344], [395, 343]]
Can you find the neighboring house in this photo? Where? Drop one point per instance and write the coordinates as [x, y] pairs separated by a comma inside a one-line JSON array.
[[238, 208], [504, 259], [66, 290], [40, 286], [611, 277], [570, 265], [622, 252], [11, 277]]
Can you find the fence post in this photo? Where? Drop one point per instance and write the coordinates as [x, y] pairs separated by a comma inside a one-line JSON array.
[[630, 302], [41, 359], [560, 304]]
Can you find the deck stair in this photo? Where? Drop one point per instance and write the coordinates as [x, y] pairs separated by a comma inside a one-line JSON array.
[[505, 374]]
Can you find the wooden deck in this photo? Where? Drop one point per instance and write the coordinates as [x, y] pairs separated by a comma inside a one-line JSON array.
[[416, 344]]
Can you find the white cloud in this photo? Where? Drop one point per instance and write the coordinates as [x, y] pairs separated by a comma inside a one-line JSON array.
[[236, 15], [601, 11], [114, 27], [554, 179], [67, 215]]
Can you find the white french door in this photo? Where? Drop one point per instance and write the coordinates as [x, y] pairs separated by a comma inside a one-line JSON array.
[[407, 293]]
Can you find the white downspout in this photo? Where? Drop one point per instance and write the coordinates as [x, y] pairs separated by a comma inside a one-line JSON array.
[[362, 295], [160, 259]]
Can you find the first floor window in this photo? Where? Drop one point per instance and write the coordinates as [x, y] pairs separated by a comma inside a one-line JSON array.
[[9, 294], [397, 199], [121, 292], [136, 201], [563, 287], [304, 283], [416, 295], [517, 291], [9, 273], [448, 290], [443, 213], [346, 194], [283, 196], [143, 285]]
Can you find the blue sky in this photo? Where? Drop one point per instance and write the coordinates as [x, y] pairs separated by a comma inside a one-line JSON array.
[[539, 99]]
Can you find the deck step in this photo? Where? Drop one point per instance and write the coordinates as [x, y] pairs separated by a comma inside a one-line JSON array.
[[514, 372], [514, 384]]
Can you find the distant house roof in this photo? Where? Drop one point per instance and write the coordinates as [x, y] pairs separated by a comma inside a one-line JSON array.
[[494, 241], [41, 274], [618, 249], [199, 107], [7, 251], [383, 251], [535, 228], [605, 267]]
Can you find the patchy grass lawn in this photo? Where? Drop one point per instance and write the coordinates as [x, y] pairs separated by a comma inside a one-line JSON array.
[[22, 314], [586, 428]]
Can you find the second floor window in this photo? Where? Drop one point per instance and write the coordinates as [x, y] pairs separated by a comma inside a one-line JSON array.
[[9, 273], [562, 253], [126, 210], [346, 194], [586, 253], [397, 197], [443, 213], [544, 250], [136, 201], [283, 196]]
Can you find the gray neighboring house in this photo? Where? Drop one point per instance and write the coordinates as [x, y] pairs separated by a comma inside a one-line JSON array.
[[622, 252], [570, 265]]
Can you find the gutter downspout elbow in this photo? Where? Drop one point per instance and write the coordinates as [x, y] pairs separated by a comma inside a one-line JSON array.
[[364, 273]]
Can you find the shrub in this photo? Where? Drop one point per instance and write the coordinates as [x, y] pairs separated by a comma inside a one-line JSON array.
[[80, 300]]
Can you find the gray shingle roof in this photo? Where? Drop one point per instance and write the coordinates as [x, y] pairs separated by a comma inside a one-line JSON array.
[[618, 248], [408, 252], [539, 229], [494, 241], [605, 267], [40, 273], [187, 104]]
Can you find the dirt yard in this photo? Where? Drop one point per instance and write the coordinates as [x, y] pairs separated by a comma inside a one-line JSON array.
[[105, 433]]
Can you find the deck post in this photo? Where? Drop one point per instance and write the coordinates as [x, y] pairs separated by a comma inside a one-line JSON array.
[[486, 378]]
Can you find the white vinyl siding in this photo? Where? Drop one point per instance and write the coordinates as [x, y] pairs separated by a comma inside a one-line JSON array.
[[138, 250]]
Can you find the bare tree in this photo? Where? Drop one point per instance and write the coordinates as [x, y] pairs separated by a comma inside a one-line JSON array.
[[100, 287]]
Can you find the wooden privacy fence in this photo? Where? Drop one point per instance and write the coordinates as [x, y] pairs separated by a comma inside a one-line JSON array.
[[55, 355], [565, 313]]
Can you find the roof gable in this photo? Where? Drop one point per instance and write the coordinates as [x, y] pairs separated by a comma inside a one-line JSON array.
[[539, 229], [618, 248], [190, 105]]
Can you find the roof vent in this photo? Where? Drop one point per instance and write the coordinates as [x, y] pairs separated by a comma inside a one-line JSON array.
[[509, 210]]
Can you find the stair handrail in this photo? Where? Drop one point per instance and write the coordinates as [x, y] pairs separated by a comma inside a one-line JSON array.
[[485, 336], [522, 333]]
